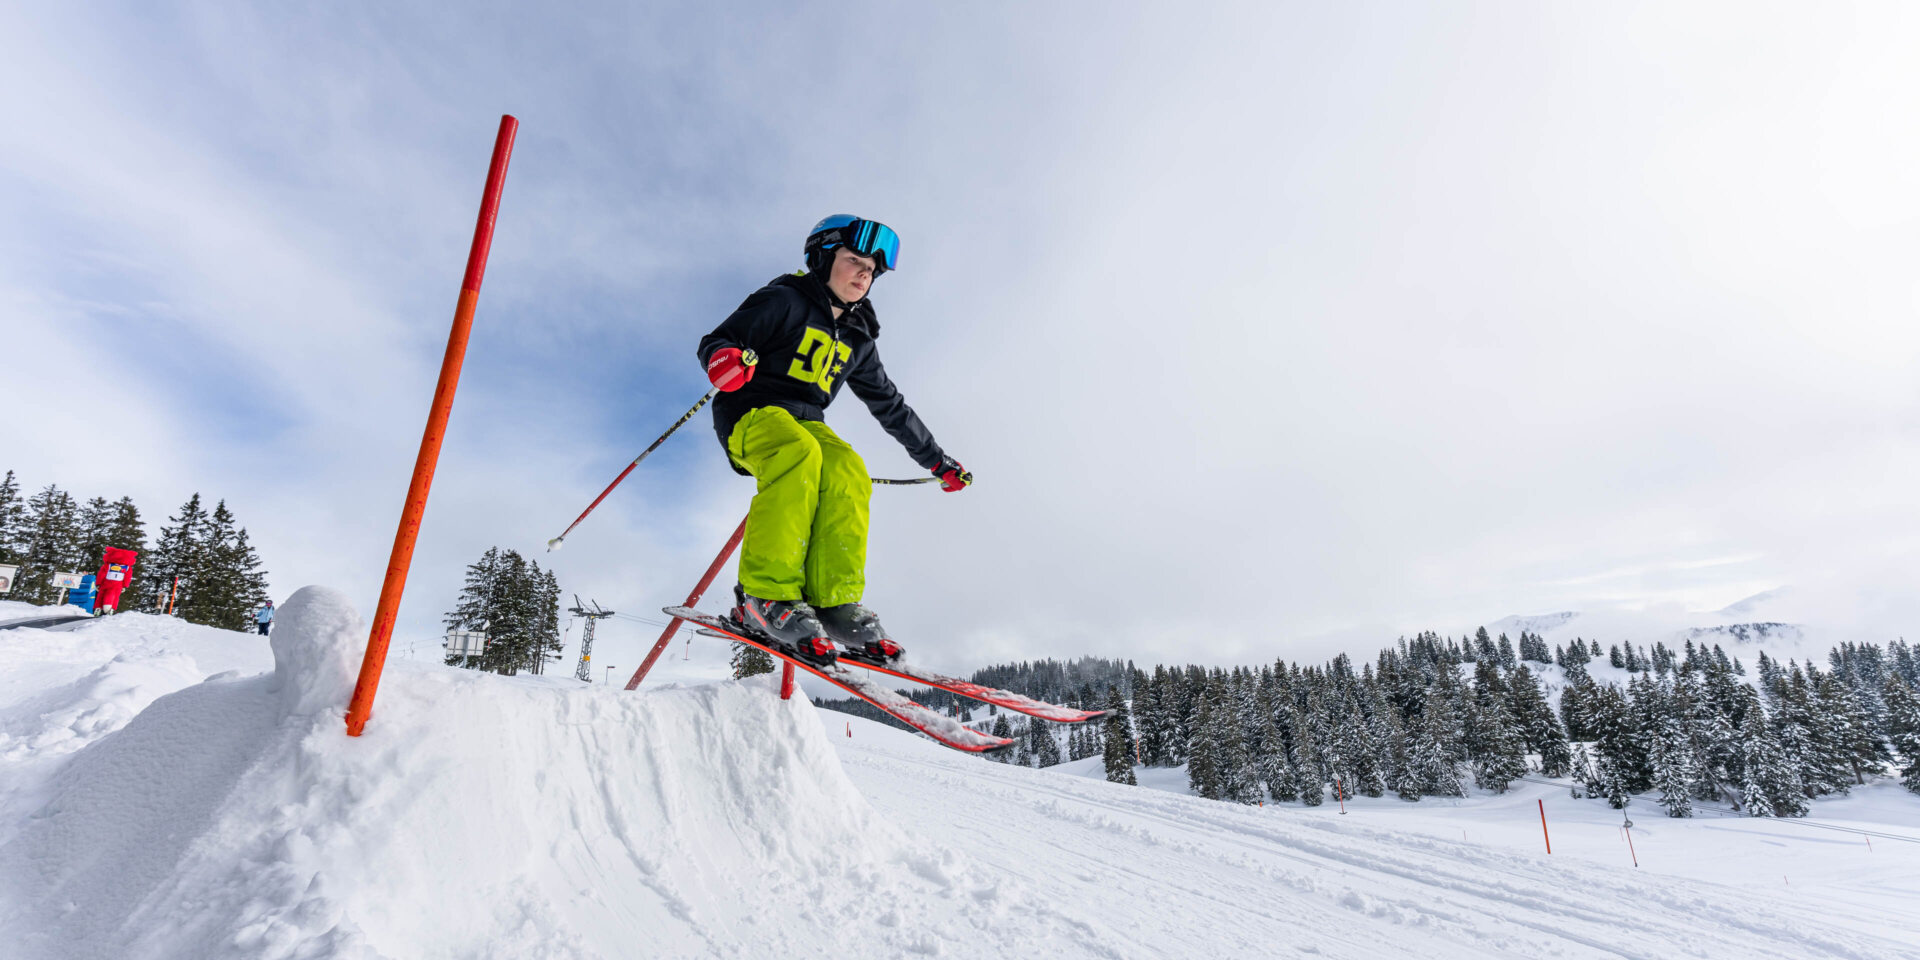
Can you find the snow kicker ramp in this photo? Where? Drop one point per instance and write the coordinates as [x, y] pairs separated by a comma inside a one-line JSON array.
[[479, 816]]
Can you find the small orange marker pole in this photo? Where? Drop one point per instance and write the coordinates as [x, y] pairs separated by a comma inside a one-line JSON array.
[[1543, 825], [361, 706]]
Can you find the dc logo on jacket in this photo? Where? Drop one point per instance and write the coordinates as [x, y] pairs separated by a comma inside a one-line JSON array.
[[819, 359]]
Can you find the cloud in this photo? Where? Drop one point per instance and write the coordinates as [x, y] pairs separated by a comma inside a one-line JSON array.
[[1267, 332]]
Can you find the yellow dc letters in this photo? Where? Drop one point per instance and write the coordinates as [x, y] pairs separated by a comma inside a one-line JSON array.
[[812, 364]]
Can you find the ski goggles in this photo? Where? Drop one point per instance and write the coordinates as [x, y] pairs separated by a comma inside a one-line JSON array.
[[870, 238]]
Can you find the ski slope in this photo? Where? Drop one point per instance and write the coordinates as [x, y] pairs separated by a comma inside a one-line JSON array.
[[177, 792], [1147, 872]]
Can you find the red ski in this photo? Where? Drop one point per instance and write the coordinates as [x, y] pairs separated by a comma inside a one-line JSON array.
[[1005, 699], [947, 730]]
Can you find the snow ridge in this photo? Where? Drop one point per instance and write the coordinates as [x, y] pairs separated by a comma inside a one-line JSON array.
[[479, 816]]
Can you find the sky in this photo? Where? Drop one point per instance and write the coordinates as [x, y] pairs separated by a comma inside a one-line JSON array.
[[1267, 329]]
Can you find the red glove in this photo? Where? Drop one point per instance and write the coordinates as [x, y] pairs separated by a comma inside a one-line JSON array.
[[729, 369], [953, 477]]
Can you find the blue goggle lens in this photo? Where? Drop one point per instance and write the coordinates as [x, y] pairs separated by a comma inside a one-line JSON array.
[[877, 240]]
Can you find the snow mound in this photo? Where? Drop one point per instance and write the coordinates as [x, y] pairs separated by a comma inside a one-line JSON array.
[[317, 650], [479, 816]]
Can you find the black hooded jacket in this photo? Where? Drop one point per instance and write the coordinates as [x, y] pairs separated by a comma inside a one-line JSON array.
[[805, 356]]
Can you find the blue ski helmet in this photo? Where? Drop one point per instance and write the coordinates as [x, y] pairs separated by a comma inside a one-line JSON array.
[[868, 238]]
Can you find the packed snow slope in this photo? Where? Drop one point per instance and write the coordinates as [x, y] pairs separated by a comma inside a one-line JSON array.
[[154, 811]]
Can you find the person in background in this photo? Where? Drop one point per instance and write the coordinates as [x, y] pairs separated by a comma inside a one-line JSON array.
[[265, 617], [116, 571]]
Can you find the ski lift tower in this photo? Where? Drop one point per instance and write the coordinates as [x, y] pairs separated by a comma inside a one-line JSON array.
[[584, 672]]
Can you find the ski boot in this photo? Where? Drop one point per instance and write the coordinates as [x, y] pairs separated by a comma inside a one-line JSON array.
[[789, 626], [858, 629]]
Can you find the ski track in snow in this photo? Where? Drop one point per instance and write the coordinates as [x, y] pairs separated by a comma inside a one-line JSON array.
[[148, 810], [1252, 879]]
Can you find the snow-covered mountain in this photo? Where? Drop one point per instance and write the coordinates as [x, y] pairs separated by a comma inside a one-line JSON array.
[[172, 791], [1764, 621], [1541, 624]]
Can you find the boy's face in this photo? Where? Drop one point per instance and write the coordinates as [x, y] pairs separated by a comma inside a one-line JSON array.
[[852, 274]]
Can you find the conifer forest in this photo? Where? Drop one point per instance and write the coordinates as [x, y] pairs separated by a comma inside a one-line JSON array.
[[1432, 715], [202, 566]]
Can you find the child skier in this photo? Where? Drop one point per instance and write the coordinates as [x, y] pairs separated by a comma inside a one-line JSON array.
[[803, 560]]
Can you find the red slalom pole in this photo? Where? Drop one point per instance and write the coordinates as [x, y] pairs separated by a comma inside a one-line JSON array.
[[786, 687], [361, 707], [1543, 825], [706, 580]]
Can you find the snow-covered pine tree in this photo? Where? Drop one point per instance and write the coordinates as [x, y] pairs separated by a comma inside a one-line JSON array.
[[1270, 755], [516, 604], [1046, 749], [749, 661], [1117, 755], [1309, 753], [228, 584], [1404, 775], [1502, 757], [1770, 785], [1239, 777], [211, 602], [1672, 757], [128, 532], [95, 519], [1483, 649], [1004, 730], [1189, 689], [52, 545], [1359, 748], [1534, 647], [1611, 782], [1204, 776], [1662, 659], [1903, 727], [1586, 779], [1853, 733], [13, 520], [545, 642], [1147, 712], [176, 555], [1382, 730], [1539, 729], [1432, 753]]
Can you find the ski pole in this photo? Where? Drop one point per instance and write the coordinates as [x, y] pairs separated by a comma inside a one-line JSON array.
[[746, 357]]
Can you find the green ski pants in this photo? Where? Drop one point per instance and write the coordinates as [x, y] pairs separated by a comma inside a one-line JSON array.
[[807, 529]]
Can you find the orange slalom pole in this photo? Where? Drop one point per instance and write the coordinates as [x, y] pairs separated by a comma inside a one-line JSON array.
[[706, 580], [361, 707]]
